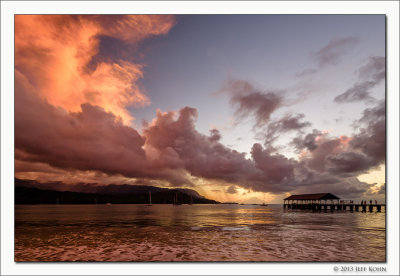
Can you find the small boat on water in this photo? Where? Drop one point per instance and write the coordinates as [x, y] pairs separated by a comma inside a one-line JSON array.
[[263, 204]]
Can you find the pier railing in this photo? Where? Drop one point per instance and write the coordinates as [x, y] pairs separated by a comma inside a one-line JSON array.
[[335, 206]]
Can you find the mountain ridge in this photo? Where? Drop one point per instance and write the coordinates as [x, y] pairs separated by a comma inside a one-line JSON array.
[[33, 192]]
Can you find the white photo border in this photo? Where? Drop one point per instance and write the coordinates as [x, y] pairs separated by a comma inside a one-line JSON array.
[[9, 8]]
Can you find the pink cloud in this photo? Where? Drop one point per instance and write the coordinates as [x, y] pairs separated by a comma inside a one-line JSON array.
[[53, 52]]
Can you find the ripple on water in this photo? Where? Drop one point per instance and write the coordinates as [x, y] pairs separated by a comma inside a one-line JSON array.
[[277, 237]]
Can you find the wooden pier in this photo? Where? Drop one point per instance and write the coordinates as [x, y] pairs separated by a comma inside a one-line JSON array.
[[334, 206], [327, 201]]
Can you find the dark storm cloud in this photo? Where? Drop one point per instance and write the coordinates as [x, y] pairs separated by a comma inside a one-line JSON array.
[[198, 154], [344, 188], [250, 101], [307, 142], [289, 122], [318, 156], [307, 181], [373, 114], [348, 155], [231, 190], [319, 146], [371, 139], [276, 167], [348, 163], [370, 75], [204, 156], [90, 139]]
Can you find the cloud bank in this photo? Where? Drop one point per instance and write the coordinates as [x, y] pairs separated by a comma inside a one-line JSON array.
[[70, 116]]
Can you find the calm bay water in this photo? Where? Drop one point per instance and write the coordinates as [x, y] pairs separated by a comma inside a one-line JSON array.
[[195, 233]]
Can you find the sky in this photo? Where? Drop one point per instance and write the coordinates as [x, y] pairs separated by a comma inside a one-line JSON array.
[[245, 108]]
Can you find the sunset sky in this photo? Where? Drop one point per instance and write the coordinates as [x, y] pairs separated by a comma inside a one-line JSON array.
[[246, 108]]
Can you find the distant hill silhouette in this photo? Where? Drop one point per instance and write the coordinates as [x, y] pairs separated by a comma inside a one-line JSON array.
[[33, 192]]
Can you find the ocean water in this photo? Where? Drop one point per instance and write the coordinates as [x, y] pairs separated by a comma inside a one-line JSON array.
[[141, 233]]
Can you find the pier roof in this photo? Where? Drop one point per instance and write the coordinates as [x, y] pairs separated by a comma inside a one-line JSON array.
[[322, 196]]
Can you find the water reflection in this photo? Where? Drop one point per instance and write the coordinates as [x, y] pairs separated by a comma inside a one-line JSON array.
[[195, 233]]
